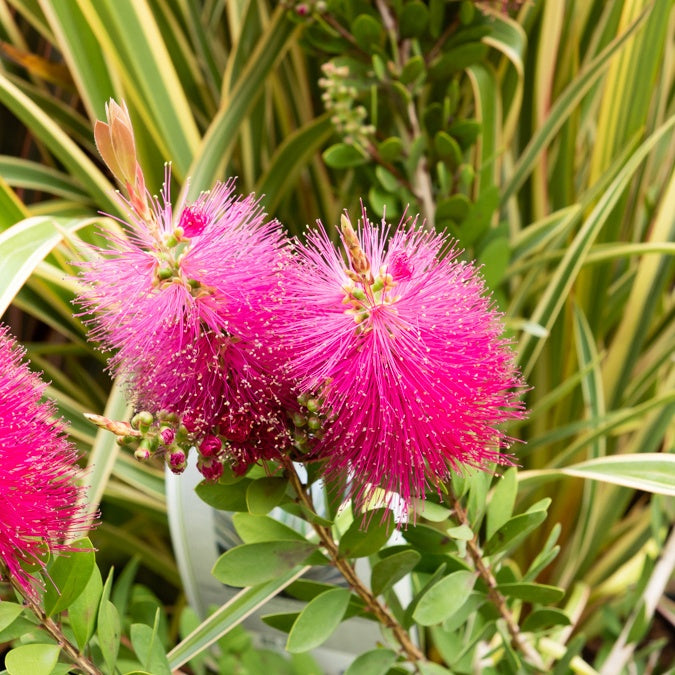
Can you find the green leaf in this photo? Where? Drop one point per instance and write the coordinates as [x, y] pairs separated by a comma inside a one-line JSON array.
[[9, 612], [651, 472], [431, 668], [368, 32], [263, 494], [494, 259], [83, 610], [503, 499], [393, 568], [251, 564], [444, 598], [108, 626], [25, 245], [343, 156], [448, 148], [318, 620], [253, 529], [230, 615], [391, 149], [454, 208], [218, 143], [224, 497], [414, 68], [35, 659], [513, 530], [148, 647], [532, 592], [413, 19], [456, 59], [566, 103], [359, 541], [374, 662], [70, 575], [544, 618]]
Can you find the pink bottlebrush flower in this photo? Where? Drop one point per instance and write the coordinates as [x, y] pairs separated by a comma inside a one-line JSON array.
[[186, 300], [399, 342], [40, 501]]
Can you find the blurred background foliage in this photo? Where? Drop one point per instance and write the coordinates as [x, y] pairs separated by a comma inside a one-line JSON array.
[[539, 133]]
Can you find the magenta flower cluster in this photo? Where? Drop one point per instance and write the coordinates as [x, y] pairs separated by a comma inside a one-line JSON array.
[[382, 356], [41, 505]]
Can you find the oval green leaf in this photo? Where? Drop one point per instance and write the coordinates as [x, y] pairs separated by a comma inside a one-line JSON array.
[[69, 576], [359, 541], [391, 569], [263, 494], [251, 564], [444, 598], [375, 662], [33, 659], [318, 620]]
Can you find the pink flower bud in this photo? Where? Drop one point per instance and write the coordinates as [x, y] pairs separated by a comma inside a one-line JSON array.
[[210, 446]]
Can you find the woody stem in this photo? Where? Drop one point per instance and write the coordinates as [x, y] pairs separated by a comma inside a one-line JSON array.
[[411, 651]]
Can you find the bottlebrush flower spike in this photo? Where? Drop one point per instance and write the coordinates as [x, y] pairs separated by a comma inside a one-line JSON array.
[[187, 301], [400, 343], [40, 501]]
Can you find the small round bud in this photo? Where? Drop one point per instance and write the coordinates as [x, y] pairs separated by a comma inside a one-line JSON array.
[[176, 461], [164, 273], [142, 454], [313, 423], [299, 420], [168, 435], [142, 420], [211, 469], [210, 446], [313, 405]]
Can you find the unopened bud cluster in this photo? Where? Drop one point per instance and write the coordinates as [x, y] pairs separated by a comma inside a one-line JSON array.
[[308, 423], [162, 436], [339, 97]]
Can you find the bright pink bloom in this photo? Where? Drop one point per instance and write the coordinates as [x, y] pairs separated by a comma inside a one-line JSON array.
[[401, 344], [40, 502], [186, 299]]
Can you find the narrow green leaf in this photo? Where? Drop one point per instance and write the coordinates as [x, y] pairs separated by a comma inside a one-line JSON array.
[[252, 564], [218, 142], [565, 104], [58, 142], [108, 626], [532, 592], [83, 611], [544, 618], [318, 620], [393, 568], [24, 245], [503, 499], [231, 614], [444, 598], [35, 659], [513, 530]]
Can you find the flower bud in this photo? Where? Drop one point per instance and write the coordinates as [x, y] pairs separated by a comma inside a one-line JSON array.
[[210, 446]]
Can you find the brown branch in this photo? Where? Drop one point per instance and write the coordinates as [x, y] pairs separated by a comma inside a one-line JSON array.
[[495, 596], [51, 627], [412, 652]]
